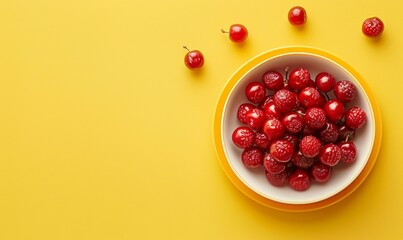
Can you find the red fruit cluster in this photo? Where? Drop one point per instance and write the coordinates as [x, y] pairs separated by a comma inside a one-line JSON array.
[[294, 130]]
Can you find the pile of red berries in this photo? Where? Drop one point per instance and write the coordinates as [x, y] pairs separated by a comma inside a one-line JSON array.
[[294, 129]]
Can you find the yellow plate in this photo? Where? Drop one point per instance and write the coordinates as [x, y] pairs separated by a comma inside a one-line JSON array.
[[218, 138]]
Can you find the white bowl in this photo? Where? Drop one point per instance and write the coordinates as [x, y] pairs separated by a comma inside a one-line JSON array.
[[253, 182]]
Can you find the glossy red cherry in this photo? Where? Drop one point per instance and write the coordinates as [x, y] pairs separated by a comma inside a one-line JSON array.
[[310, 146], [345, 91], [193, 59], [320, 172], [252, 157], [281, 150], [285, 100], [330, 155], [273, 80], [273, 129], [255, 118], [243, 137], [309, 97], [255, 92], [372, 27], [243, 109], [297, 16], [262, 141], [334, 110], [272, 165], [325, 81], [355, 118], [315, 118], [299, 180], [237, 33], [266, 100], [348, 152], [271, 111], [292, 122], [299, 78]]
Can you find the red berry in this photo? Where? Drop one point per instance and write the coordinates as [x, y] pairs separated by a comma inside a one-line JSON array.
[[278, 180], [330, 133], [281, 150], [306, 131], [272, 165], [255, 118], [355, 117], [271, 111], [325, 81], [297, 16], [293, 122], [334, 110], [261, 140], [243, 109], [373, 27], [348, 152], [344, 132], [252, 157], [243, 137], [285, 100], [299, 180], [320, 172], [273, 129], [273, 80], [315, 118], [299, 160], [309, 97], [310, 146], [299, 78], [237, 33], [330, 155], [266, 100], [345, 91], [293, 139], [193, 59], [255, 92]]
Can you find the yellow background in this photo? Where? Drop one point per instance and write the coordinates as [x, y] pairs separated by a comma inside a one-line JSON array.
[[105, 134]]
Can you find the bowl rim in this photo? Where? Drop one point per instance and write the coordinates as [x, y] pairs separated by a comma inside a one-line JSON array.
[[218, 139]]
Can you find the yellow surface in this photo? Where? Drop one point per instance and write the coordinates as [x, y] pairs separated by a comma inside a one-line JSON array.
[[104, 133]]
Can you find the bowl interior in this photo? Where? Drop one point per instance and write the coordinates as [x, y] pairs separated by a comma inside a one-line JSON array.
[[255, 179]]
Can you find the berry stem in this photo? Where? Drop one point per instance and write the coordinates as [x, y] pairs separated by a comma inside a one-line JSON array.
[[186, 48], [223, 31], [286, 74]]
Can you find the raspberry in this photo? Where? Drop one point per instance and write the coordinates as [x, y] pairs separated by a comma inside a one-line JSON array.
[[285, 100], [345, 91], [273, 80], [355, 117], [373, 27], [310, 146], [315, 118], [252, 157], [272, 165]]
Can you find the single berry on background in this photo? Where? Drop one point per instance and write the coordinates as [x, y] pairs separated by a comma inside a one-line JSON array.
[[261, 140], [310, 146], [255, 92], [255, 118], [252, 157], [334, 110], [330, 155], [281, 150], [193, 59], [278, 179], [325, 81], [243, 109], [299, 180], [273, 80], [345, 91], [320, 172], [348, 152], [315, 118], [373, 27], [273, 129], [299, 160], [285, 100], [297, 16], [243, 137], [355, 117], [272, 165], [299, 78], [237, 33]]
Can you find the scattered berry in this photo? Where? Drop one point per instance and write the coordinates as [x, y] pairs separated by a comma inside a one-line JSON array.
[[237, 33], [297, 16], [373, 27], [193, 59]]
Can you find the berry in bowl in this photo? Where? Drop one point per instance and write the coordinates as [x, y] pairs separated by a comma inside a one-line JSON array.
[[297, 129]]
